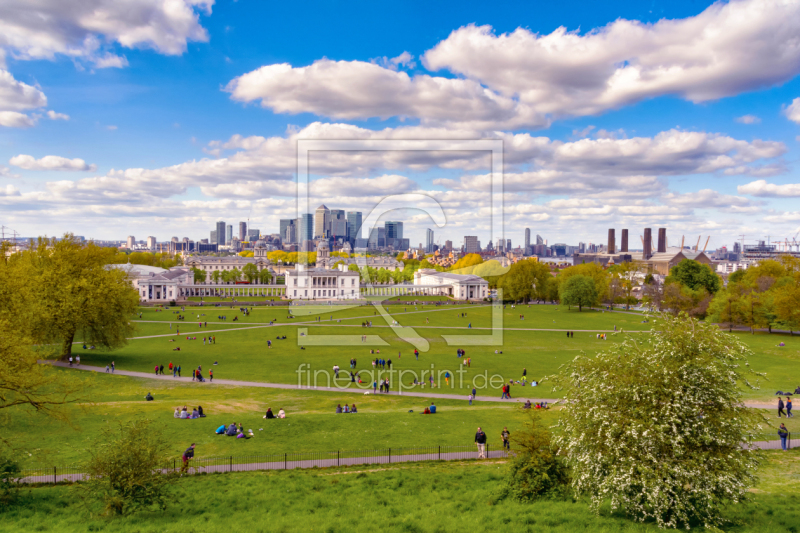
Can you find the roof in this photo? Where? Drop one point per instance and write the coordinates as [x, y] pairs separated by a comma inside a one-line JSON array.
[[138, 270], [671, 253], [450, 275], [323, 206]]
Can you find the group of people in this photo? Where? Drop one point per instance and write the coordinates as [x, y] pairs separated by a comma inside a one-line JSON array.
[[270, 414], [346, 409], [384, 385], [537, 405], [382, 363], [788, 407], [184, 413], [571, 334], [234, 430]]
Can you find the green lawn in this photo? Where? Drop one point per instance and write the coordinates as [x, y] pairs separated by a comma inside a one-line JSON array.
[[412, 497], [229, 299]]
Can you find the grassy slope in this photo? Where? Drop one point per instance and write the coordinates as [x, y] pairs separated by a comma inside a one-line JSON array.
[[409, 498]]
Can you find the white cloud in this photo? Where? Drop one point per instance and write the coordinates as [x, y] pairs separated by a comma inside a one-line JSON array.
[[706, 198], [52, 115], [50, 162], [763, 189], [12, 119], [15, 98], [111, 128], [725, 50], [748, 119], [9, 190], [793, 111], [83, 29]]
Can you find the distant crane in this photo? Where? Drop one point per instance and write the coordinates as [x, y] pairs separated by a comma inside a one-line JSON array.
[[696, 246], [683, 237], [706, 245]]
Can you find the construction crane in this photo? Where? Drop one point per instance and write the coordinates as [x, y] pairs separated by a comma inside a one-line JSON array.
[[706, 245], [683, 237]]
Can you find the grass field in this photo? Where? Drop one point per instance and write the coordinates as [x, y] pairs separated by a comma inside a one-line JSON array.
[[402, 498], [229, 299], [241, 349]]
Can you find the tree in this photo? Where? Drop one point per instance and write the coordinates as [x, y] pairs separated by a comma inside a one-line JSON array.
[[264, 276], [629, 274], [125, 469], [199, 275], [535, 470], [236, 275], [250, 272], [70, 293], [469, 260], [592, 270], [657, 423], [787, 307], [578, 290], [215, 276], [525, 281], [694, 275]]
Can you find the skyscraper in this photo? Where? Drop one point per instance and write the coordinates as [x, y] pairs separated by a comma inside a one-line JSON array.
[[151, 243], [429, 240], [131, 241], [220, 233], [394, 232], [285, 223], [353, 226], [527, 250], [471, 244], [242, 231], [508, 245], [213, 237], [305, 227], [539, 240], [228, 233], [253, 234], [338, 224], [322, 223]]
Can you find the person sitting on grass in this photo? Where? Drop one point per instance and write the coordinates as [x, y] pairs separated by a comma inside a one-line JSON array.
[[200, 411], [195, 414], [231, 431], [269, 413], [346, 408], [353, 409], [149, 397], [281, 413], [426, 411], [220, 430], [339, 409], [177, 413], [433, 409], [527, 405]]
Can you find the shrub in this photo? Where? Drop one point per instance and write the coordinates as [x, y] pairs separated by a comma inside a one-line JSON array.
[[125, 471], [9, 480], [535, 469]]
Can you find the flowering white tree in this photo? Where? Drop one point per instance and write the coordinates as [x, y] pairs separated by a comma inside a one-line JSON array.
[[656, 424]]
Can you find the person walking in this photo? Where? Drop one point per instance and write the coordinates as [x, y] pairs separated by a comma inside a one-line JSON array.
[[505, 435], [470, 399], [789, 407], [210, 376], [780, 407], [112, 367], [161, 369], [188, 454], [107, 368], [179, 370], [70, 360], [374, 387], [78, 360], [416, 354], [783, 433], [480, 441]]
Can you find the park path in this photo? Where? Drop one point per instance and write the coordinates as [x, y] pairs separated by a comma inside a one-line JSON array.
[[347, 390]]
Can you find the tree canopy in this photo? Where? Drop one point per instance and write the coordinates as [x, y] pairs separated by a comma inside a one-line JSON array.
[[694, 275], [578, 290]]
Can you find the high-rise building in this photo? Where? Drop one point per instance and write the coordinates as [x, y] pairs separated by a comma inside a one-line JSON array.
[[353, 226], [220, 233], [305, 227], [213, 239], [228, 233], [285, 223], [151, 243], [242, 231], [253, 234], [338, 224], [501, 248], [471, 245], [394, 232], [322, 222], [508, 245], [289, 235], [429, 240], [527, 237], [448, 245], [131, 241]]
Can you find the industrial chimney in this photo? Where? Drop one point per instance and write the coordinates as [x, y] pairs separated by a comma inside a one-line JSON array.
[[623, 246], [662, 240], [611, 242], [647, 244]]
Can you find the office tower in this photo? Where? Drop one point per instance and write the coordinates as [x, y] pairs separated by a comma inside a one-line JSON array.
[[131, 241], [508, 245], [151, 243], [253, 234], [338, 224], [648, 243], [429, 240], [353, 225], [612, 242], [322, 222], [501, 247], [228, 233], [662, 240], [213, 239], [305, 227], [186, 239], [539, 240], [581, 247], [220, 233], [290, 234], [471, 245], [394, 231], [285, 223], [242, 231], [448, 245], [527, 237], [623, 246]]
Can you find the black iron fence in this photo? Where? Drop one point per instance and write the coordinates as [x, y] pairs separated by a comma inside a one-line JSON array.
[[290, 460]]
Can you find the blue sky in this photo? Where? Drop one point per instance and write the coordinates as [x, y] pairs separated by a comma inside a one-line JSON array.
[[163, 121]]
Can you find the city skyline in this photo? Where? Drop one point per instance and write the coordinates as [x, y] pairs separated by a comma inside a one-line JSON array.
[[647, 116]]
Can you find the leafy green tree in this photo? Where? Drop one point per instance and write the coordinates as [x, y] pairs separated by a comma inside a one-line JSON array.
[[657, 424], [726, 307], [199, 275], [353, 267], [236, 275], [694, 275], [125, 469], [525, 281], [250, 272], [600, 276], [216, 276], [579, 290], [264, 276], [787, 307], [70, 294]]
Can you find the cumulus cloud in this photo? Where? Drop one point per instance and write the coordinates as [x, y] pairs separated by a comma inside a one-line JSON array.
[[50, 162], [12, 119], [9, 190], [706, 198], [748, 119], [17, 97], [727, 49], [52, 115], [793, 111], [764, 189], [83, 29]]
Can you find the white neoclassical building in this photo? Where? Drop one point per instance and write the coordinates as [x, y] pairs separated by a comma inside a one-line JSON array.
[[339, 283], [157, 284], [457, 286]]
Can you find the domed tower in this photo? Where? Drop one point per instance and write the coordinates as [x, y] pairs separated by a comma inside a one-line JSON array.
[[323, 254]]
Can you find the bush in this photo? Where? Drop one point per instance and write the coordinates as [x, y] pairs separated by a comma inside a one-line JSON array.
[[9, 481], [125, 471], [535, 469]]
